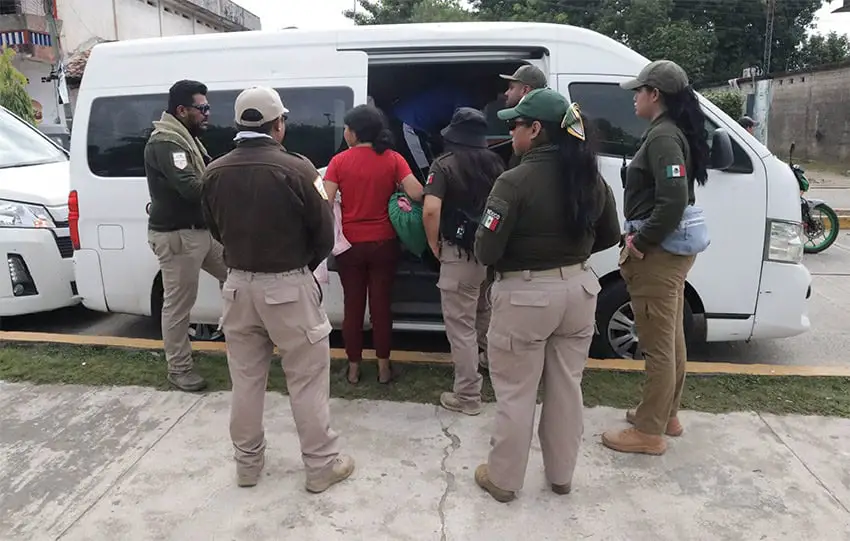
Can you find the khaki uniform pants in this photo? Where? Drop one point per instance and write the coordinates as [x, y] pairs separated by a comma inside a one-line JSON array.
[[656, 286], [541, 328], [460, 284], [261, 311], [182, 254], [482, 319]]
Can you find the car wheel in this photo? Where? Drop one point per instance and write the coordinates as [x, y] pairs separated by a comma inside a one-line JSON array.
[[202, 332], [615, 322]]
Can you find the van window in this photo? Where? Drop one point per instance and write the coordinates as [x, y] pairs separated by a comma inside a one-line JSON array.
[[611, 110], [22, 145], [120, 126]]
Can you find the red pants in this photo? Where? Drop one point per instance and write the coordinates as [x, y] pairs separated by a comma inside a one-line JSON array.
[[368, 268]]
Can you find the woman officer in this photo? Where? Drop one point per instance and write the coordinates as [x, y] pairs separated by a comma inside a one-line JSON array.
[[542, 221], [659, 192]]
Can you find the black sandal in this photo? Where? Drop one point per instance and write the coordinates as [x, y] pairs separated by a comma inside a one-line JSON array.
[[356, 380]]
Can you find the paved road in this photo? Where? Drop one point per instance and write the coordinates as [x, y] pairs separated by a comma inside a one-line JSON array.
[[827, 344]]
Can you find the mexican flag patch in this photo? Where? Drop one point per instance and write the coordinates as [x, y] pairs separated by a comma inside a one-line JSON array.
[[430, 178], [676, 171], [491, 220]]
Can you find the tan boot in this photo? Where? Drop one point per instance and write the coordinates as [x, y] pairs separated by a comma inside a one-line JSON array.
[[674, 427], [482, 477], [249, 477], [339, 470], [632, 440], [451, 402]]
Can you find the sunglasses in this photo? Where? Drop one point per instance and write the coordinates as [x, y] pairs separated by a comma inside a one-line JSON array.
[[203, 109], [512, 124]]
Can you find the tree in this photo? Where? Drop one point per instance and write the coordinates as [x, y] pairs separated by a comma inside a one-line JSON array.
[[409, 11], [729, 101], [13, 88], [818, 50], [647, 27]]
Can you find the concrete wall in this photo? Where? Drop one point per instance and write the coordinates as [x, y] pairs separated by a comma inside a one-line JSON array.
[[43, 93], [85, 20], [811, 109]]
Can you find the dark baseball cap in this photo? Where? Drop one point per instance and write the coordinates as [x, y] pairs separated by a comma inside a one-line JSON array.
[[541, 104], [528, 75], [665, 75]]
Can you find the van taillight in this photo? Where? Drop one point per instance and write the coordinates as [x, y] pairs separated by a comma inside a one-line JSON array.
[[74, 219]]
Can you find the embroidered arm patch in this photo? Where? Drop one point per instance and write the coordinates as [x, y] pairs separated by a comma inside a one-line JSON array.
[[491, 219], [319, 184], [430, 179], [179, 160], [676, 171]]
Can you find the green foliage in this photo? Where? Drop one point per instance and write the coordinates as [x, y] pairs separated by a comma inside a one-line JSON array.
[[714, 40], [730, 101], [818, 50], [13, 88]]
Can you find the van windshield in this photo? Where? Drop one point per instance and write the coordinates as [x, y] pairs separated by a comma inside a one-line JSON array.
[[22, 145]]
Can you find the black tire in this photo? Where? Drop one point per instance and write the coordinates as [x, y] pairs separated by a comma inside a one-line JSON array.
[[611, 299], [833, 233]]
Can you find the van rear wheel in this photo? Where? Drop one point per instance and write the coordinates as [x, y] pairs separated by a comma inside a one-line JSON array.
[[615, 322]]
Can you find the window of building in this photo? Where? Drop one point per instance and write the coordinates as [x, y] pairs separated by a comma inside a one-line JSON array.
[[120, 126], [610, 109], [10, 7]]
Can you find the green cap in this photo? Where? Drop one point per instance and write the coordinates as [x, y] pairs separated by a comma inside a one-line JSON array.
[[665, 75], [542, 104]]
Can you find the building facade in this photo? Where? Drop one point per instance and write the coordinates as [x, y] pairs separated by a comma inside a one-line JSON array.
[[32, 26]]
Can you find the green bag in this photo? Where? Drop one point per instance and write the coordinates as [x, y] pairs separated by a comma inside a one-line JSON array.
[[406, 217]]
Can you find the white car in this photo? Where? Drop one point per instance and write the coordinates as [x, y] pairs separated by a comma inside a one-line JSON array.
[[34, 234]]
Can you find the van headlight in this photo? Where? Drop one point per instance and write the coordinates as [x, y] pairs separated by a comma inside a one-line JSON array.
[[784, 242], [14, 214]]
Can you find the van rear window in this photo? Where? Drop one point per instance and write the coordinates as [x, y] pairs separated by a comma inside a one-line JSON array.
[[119, 127]]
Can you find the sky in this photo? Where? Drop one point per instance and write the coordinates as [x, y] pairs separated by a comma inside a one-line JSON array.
[[277, 14]]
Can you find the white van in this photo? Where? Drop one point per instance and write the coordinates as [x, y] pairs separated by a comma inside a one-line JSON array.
[[749, 284], [34, 234]]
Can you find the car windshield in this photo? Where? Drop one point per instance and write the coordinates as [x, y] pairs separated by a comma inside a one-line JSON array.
[[22, 145]]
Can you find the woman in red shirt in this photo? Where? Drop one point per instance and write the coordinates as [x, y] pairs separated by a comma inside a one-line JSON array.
[[367, 175]]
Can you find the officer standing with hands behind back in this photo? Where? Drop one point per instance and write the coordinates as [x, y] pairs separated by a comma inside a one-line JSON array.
[[270, 211]]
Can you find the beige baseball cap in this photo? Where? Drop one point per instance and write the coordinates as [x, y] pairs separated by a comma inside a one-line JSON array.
[[263, 100]]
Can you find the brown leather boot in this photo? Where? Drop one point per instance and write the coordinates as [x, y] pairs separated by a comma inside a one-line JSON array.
[[632, 440], [482, 477], [674, 427]]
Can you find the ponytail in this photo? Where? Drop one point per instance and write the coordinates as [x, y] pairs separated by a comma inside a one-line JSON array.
[[685, 111], [579, 170], [369, 125]]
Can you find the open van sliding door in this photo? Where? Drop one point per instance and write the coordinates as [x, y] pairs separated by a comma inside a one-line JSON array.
[[318, 85], [725, 278]]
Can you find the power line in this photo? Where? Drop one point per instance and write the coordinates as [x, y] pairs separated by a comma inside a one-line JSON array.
[[768, 34]]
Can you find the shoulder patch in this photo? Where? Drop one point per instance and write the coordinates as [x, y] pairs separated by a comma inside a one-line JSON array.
[[491, 219], [676, 171], [319, 184], [430, 179], [179, 160]]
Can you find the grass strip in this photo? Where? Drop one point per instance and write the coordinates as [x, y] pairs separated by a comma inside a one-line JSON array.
[[422, 383]]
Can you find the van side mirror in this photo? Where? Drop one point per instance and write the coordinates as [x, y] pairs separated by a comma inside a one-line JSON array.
[[722, 156]]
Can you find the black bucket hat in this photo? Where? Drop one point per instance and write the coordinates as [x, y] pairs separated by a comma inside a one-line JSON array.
[[468, 128]]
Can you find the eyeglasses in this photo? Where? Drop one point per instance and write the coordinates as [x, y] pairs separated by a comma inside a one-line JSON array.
[[512, 124]]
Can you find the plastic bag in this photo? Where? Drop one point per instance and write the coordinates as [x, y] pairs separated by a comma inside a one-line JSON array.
[[321, 272]]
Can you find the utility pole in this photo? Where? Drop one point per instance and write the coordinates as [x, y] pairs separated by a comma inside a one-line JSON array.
[[57, 68], [768, 35]]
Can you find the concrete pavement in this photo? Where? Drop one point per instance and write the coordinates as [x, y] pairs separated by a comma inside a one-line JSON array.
[[80, 463]]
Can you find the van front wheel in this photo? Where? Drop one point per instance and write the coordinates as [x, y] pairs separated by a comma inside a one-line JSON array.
[[615, 323], [198, 332]]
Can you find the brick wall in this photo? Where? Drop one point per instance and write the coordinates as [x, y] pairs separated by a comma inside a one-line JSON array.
[[811, 109]]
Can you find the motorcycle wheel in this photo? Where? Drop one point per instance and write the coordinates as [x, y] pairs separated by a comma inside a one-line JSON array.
[[824, 214]]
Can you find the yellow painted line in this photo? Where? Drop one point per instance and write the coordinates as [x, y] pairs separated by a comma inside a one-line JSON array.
[[843, 221], [694, 367]]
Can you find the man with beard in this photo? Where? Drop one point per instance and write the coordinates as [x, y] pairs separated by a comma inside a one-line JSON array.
[[175, 159]]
